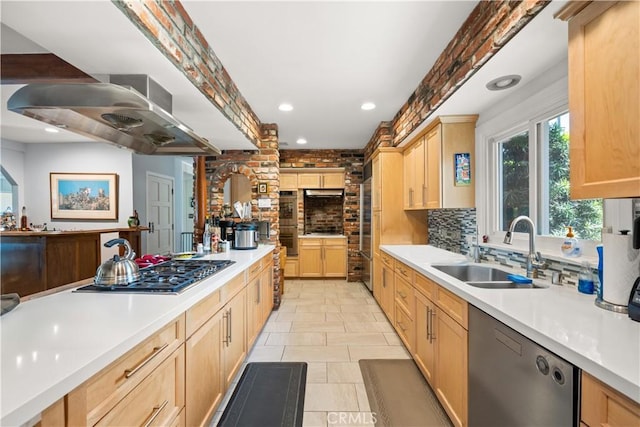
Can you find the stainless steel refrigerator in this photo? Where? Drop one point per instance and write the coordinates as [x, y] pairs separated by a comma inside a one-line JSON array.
[[366, 249]]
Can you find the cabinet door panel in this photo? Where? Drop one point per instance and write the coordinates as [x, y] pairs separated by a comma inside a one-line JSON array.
[[204, 389], [310, 260], [335, 261], [451, 367], [234, 349], [424, 354]]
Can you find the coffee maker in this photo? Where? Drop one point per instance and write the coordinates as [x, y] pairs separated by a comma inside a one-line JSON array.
[[227, 229]]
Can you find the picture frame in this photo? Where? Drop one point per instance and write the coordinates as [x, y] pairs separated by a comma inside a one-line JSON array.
[[462, 169], [84, 196], [263, 188]]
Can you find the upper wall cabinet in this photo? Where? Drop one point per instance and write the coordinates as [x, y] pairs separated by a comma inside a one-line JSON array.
[[333, 179], [438, 165], [604, 94], [415, 185], [288, 181]]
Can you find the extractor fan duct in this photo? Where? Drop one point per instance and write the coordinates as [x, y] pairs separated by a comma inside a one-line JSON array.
[[131, 111]]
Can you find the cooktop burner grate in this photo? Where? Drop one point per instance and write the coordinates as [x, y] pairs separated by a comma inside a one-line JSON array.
[[168, 277]]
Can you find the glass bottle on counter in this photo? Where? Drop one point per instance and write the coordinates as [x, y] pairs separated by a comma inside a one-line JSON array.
[[23, 220]]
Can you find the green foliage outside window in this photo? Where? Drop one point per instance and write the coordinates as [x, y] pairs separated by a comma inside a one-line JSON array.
[[585, 216]]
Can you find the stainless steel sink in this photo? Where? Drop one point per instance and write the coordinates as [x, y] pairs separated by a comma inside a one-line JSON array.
[[482, 276]]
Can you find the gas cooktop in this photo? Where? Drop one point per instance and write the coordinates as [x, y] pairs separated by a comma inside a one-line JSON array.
[[170, 277]]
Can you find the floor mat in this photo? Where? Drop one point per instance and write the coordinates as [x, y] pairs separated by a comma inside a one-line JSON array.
[[268, 394], [399, 395]]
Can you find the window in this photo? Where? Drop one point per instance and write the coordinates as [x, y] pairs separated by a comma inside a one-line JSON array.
[[532, 178]]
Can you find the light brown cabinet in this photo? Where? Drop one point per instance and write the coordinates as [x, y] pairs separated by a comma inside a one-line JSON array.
[[604, 98], [445, 137], [233, 336], [259, 297], [414, 183], [383, 284], [432, 323], [322, 257], [136, 386], [603, 406], [288, 181], [291, 267], [321, 179]]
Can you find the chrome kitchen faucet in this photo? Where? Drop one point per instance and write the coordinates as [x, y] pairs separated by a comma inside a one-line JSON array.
[[534, 259]]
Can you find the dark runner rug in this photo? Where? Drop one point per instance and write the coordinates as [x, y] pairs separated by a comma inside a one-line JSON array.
[[399, 395], [268, 394]]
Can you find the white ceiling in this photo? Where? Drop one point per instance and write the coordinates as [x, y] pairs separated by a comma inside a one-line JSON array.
[[325, 58]]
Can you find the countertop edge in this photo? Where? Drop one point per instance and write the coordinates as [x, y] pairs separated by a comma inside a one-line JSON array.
[[605, 374]]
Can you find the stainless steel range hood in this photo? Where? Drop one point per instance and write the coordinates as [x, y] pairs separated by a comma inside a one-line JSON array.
[[323, 193], [130, 111]]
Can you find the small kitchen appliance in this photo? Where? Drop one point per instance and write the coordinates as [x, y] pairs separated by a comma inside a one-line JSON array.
[[118, 270], [246, 236], [634, 297], [169, 277]]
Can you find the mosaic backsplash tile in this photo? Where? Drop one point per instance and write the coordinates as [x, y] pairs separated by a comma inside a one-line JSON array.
[[449, 228]]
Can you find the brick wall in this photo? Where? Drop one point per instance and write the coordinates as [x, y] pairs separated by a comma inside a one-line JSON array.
[[259, 166], [323, 214], [487, 29], [352, 162], [168, 26]]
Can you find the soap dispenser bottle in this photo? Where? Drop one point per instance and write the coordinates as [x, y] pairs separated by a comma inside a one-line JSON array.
[[570, 245]]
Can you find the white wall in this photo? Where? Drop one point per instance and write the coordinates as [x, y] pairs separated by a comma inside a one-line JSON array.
[[81, 157], [12, 155]]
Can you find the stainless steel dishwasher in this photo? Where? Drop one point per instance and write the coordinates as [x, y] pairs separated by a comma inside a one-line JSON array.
[[515, 382]]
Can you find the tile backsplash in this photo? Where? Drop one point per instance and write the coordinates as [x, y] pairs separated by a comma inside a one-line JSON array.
[[449, 228]]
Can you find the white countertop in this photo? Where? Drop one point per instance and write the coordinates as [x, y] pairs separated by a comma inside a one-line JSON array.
[[51, 345], [566, 322]]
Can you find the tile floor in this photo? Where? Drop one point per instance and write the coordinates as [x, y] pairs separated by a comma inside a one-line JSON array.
[[330, 324]]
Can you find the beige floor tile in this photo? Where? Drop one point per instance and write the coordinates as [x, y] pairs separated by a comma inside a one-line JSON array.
[[330, 397], [266, 354], [273, 326], [316, 372], [297, 338], [320, 308], [356, 338], [360, 308], [312, 353], [262, 339], [392, 338], [380, 317], [351, 317], [368, 327], [378, 352], [301, 326], [286, 308], [315, 300], [314, 419], [348, 301], [363, 399], [344, 372], [302, 316]]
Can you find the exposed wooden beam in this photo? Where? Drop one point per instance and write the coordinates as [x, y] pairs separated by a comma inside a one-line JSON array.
[[39, 68]]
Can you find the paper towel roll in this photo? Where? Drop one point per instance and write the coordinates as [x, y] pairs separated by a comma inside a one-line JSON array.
[[621, 268]]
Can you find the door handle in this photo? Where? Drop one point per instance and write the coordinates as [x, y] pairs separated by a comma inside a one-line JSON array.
[[229, 326], [258, 285], [433, 314], [428, 319], [155, 413], [225, 318], [128, 373]]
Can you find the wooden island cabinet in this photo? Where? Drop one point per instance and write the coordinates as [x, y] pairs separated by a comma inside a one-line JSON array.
[[33, 262]]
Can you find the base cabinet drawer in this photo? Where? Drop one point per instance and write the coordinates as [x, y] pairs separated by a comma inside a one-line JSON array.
[[91, 401], [157, 401]]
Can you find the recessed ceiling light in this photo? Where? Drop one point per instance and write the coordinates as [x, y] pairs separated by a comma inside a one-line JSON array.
[[504, 82], [51, 130], [301, 141], [285, 107], [368, 106]]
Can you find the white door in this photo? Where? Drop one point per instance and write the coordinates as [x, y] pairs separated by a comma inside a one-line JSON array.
[[159, 214]]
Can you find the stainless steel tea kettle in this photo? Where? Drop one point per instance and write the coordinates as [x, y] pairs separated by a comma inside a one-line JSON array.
[[118, 270]]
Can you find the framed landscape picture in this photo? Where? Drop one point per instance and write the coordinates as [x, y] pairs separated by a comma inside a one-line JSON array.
[[84, 196]]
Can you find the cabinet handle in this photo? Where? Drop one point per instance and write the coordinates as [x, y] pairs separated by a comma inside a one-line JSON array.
[[155, 413], [258, 289], [424, 195], [229, 327], [411, 197], [401, 327], [128, 373], [225, 340], [402, 295], [433, 314], [428, 319]]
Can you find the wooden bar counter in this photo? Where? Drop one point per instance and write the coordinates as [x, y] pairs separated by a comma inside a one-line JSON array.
[[34, 261]]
